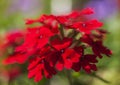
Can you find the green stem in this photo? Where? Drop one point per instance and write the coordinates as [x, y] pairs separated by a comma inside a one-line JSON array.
[[61, 31], [69, 76], [48, 83], [100, 78]]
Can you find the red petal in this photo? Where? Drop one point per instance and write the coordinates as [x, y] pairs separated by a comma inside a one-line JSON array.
[[68, 64], [38, 76], [29, 21], [76, 66], [59, 66], [61, 44], [87, 11]]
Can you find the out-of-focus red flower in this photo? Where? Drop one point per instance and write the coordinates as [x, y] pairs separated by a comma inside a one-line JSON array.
[[1, 46], [11, 73], [14, 38], [14, 72], [36, 38], [11, 40]]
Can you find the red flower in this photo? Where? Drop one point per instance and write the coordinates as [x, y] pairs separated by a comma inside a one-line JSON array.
[[98, 35], [34, 41], [61, 46], [87, 27], [48, 21], [76, 14], [86, 62], [40, 66], [70, 56], [13, 39], [64, 19], [48, 48], [97, 46], [68, 20], [99, 49], [36, 38], [67, 56], [16, 58]]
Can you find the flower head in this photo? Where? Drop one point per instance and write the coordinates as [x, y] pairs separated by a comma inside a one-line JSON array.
[[51, 47]]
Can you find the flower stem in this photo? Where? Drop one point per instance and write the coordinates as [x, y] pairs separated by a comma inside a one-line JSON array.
[[69, 76], [61, 31], [98, 77]]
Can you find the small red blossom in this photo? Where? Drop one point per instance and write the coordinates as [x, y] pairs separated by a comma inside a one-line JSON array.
[[48, 21], [70, 56], [86, 62], [67, 56], [38, 67], [97, 46], [66, 19], [61, 46], [87, 27], [35, 38], [11, 73], [76, 14], [13, 39], [99, 35]]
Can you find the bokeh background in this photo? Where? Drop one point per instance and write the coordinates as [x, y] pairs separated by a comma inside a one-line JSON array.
[[12, 17]]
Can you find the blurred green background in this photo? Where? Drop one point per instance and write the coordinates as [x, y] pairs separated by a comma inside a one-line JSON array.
[[14, 12]]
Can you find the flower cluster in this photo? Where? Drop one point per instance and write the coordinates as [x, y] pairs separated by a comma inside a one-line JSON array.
[[9, 42], [60, 42]]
